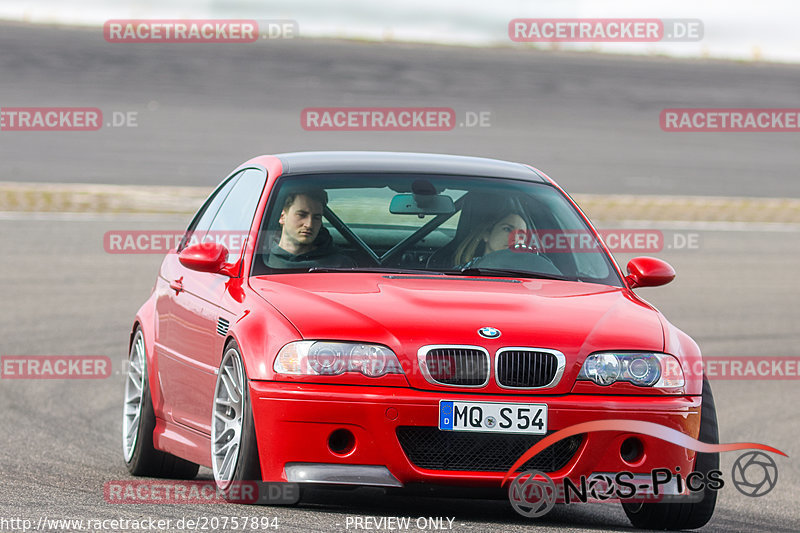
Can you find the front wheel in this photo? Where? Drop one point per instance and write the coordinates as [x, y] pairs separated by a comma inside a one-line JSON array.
[[234, 454], [139, 423], [689, 515]]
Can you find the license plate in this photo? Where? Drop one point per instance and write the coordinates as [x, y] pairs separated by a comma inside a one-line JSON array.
[[493, 417]]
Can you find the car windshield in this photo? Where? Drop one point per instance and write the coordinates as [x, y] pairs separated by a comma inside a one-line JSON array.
[[427, 224]]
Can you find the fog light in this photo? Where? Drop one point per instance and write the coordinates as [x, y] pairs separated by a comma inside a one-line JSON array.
[[631, 450], [341, 442]]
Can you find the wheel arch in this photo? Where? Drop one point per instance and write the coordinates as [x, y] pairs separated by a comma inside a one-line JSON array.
[[145, 320], [681, 345], [260, 335]]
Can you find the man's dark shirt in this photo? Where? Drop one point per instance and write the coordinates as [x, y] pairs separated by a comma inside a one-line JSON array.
[[324, 254]]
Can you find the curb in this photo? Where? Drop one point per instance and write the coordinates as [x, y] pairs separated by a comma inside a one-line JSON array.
[[88, 198], [689, 208]]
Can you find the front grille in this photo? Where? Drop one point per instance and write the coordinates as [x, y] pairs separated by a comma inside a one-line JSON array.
[[433, 449], [460, 366], [526, 368]]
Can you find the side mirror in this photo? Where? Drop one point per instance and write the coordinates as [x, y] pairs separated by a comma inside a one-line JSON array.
[[648, 272], [204, 257]]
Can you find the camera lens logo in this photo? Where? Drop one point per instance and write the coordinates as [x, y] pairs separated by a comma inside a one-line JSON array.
[[532, 493], [754, 474], [601, 486]]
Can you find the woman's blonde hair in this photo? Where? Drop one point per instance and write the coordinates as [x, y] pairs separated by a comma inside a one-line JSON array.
[[468, 249], [474, 245]]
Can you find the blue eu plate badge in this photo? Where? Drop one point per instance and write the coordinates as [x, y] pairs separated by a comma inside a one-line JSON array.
[[445, 415]]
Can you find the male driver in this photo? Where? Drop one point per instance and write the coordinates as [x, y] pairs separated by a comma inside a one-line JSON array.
[[304, 242]]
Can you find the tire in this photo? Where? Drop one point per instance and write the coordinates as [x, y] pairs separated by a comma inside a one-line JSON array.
[[234, 453], [139, 423], [689, 515]]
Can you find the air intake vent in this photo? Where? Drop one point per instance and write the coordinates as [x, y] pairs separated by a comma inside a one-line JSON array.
[[432, 449], [222, 326]]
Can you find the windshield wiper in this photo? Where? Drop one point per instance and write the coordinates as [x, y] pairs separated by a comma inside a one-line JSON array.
[[380, 270], [467, 271], [477, 271]]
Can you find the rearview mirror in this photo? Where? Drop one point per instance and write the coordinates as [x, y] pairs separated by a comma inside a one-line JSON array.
[[422, 204], [204, 257], [648, 272]]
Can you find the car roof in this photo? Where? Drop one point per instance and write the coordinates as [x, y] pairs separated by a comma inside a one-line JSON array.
[[406, 162]]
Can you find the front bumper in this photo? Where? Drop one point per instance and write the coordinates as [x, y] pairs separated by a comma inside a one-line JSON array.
[[294, 424]]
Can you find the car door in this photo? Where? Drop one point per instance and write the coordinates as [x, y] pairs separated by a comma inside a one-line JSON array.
[[169, 286], [196, 334]]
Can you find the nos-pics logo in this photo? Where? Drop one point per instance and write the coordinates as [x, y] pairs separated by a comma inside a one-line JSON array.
[[533, 493]]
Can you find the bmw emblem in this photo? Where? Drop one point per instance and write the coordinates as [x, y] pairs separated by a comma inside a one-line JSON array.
[[489, 333]]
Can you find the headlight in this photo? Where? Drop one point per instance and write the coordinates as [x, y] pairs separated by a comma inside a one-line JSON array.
[[602, 368], [657, 370], [323, 358]]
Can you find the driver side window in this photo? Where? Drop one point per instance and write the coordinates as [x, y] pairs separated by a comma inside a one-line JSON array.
[[202, 220], [232, 222]]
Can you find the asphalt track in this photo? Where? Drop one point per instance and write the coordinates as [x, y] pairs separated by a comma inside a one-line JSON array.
[[65, 295], [590, 121]]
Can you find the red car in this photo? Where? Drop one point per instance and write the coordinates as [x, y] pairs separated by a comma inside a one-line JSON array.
[[396, 319]]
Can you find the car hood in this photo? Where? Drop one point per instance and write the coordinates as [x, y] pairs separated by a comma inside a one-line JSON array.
[[406, 312]]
